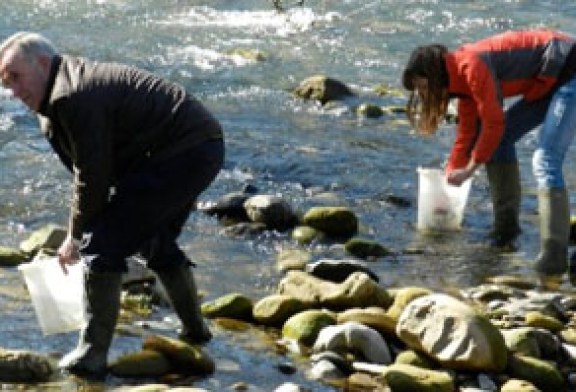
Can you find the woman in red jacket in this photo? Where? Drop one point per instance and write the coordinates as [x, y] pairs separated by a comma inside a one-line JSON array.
[[537, 66]]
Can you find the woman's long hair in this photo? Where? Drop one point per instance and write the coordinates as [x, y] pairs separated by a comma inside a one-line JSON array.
[[427, 110]]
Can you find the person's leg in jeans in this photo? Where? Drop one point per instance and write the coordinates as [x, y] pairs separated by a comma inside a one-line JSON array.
[[554, 139], [503, 172]]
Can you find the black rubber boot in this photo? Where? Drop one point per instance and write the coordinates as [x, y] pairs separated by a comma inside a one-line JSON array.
[[505, 192], [102, 299], [181, 289]]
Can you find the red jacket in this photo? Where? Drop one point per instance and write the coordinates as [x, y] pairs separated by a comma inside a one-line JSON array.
[[482, 74]]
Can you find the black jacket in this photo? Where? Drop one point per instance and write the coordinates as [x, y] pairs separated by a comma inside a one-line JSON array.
[[104, 120]]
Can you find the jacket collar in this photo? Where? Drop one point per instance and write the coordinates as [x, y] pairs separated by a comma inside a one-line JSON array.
[[457, 85], [54, 66]]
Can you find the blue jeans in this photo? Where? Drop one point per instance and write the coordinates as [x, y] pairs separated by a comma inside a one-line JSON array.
[[555, 115]]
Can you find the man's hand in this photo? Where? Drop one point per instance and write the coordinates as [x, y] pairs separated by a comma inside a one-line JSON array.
[[68, 253]]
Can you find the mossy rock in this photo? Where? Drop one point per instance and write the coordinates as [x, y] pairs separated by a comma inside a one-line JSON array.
[[50, 237], [181, 355], [233, 305], [541, 373], [274, 310], [323, 89], [364, 248], [11, 257], [145, 363], [304, 327], [369, 110], [401, 377], [334, 221]]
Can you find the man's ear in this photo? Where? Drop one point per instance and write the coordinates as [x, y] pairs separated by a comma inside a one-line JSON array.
[[45, 61]]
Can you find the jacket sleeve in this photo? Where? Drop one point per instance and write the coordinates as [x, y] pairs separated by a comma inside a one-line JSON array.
[[489, 103], [485, 104], [86, 127], [466, 133]]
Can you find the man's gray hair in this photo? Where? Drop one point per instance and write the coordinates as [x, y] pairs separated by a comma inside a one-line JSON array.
[[29, 44]]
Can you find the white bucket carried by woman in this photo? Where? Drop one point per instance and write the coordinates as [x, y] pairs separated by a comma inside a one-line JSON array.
[[440, 205], [57, 297]]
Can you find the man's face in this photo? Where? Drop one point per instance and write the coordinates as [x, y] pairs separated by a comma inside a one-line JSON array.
[[27, 77]]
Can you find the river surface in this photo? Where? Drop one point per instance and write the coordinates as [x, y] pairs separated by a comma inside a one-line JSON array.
[[279, 144]]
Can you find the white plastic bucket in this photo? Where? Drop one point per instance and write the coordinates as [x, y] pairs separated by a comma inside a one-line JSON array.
[[57, 298], [440, 205]]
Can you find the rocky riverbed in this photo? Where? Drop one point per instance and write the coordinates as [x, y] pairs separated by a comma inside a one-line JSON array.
[[333, 318]]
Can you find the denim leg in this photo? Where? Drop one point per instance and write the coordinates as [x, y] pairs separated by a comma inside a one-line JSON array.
[[554, 138], [521, 117]]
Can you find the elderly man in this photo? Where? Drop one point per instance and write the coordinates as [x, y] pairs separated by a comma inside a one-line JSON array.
[[141, 150]]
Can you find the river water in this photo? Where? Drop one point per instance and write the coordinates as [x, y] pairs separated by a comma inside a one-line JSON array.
[[279, 144]]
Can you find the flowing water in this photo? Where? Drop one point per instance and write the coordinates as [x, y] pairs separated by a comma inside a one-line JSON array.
[[279, 144]]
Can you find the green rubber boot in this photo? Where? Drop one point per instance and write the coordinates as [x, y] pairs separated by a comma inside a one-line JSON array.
[[505, 192], [181, 289], [102, 299], [554, 211]]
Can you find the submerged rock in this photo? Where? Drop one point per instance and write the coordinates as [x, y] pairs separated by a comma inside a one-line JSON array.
[[364, 248], [272, 211], [323, 89], [334, 221]]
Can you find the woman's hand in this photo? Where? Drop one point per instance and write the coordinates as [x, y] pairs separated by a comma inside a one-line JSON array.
[[69, 252], [458, 176]]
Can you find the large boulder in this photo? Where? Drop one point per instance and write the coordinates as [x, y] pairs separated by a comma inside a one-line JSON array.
[[452, 333]]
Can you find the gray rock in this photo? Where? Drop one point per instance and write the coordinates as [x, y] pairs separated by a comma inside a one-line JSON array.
[[338, 270], [354, 337], [452, 333]]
